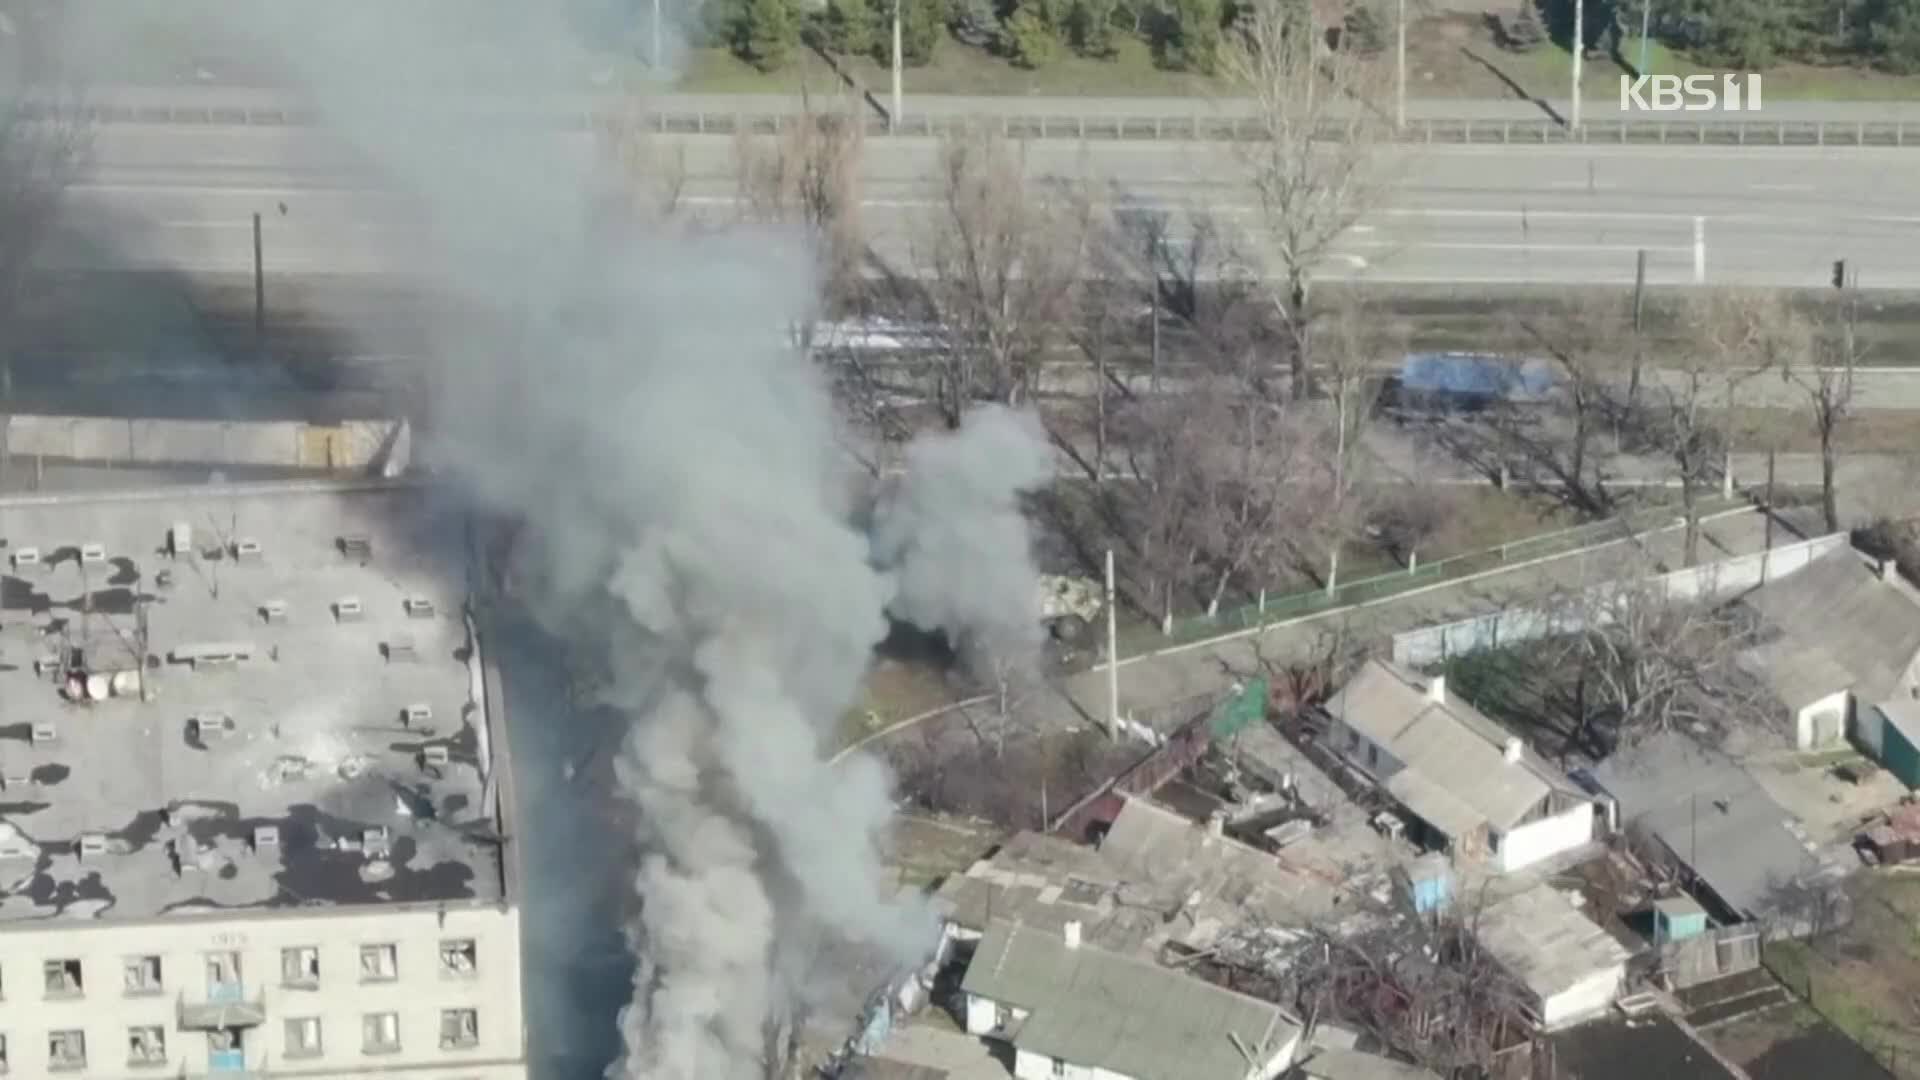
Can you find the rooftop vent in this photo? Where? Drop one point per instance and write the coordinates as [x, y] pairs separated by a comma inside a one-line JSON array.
[[356, 546], [246, 549], [418, 607], [416, 714], [180, 539], [26, 556], [210, 726], [266, 838], [15, 775], [1437, 689], [400, 649], [375, 842], [1512, 750], [205, 653], [348, 609], [92, 845], [434, 756], [93, 553], [45, 732], [273, 611]]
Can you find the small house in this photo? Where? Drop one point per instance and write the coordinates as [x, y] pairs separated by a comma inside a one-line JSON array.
[[1837, 635], [1069, 1009], [1572, 969], [1475, 788]]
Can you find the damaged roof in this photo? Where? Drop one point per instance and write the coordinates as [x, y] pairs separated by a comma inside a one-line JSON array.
[[1837, 625], [1456, 775], [1546, 942], [1091, 1007], [279, 720]]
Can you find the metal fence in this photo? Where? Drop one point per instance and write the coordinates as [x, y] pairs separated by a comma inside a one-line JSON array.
[[1543, 131]]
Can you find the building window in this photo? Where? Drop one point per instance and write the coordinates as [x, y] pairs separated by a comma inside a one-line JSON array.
[[63, 978], [67, 1050], [226, 1051], [379, 963], [146, 1046], [459, 1029], [303, 1037], [459, 958], [143, 974], [380, 1033], [300, 966], [223, 977]]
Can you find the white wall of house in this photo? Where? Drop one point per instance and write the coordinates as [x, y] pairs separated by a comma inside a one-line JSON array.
[[1031, 1066], [1587, 998], [1547, 837], [1822, 723], [106, 1007], [983, 1014]]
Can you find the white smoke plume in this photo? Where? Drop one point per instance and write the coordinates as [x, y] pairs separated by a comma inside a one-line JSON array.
[[623, 389], [952, 534]]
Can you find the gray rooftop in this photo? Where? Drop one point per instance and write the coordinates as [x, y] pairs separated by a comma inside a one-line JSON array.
[[1903, 715], [1456, 777], [1544, 941], [1710, 813], [249, 761], [1332, 1063], [1095, 1008], [1838, 626]]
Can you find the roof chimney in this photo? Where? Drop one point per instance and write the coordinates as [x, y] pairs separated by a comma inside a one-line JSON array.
[[1889, 571], [1216, 824], [1072, 930], [1513, 750], [1437, 690]]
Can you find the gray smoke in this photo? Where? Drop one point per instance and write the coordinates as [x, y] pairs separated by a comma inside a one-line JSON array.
[[953, 536], [623, 388]]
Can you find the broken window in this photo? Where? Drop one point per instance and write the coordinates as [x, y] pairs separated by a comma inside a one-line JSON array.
[[146, 1045], [300, 966], [379, 963], [63, 978], [303, 1036], [459, 958], [143, 974], [67, 1049], [380, 1033], [459, 1028], [223, 977]]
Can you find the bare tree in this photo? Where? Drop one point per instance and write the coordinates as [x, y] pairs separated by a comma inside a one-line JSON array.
[[1824, 373], [1581, 332], [1314, 167], [1002, 261], [1352, 346], [651, 166], [1733, 335], [809, 174]]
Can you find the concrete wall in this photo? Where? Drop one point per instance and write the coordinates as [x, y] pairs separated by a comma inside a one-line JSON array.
[[1549, 836], [105, 1010], [1432, 644], [353, 445], [1592, 995], [1823, 723], [983, 1014]]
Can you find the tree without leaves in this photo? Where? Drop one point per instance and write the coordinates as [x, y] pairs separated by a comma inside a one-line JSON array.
[[1002, 261], [1313, 163], [809, 175], [1823, 369]]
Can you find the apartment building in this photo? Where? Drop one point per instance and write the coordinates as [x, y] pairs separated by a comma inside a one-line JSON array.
[[252, 797]]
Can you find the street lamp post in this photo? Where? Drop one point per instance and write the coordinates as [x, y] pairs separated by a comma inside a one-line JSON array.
[[1646, 18], [1400, 67], [893, 117], [1579, 53]]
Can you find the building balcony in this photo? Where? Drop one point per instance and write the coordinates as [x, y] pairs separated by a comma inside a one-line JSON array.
[[225, 1006]]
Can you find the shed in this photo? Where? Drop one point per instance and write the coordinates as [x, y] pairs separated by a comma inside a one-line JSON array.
[[1890, 734], [1571, 968], [1677, 918]]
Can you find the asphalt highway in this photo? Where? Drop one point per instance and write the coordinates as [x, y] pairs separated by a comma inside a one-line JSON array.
[[181, 198]]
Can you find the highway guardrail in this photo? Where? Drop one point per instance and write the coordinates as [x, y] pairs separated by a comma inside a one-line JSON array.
[[1543, 131]]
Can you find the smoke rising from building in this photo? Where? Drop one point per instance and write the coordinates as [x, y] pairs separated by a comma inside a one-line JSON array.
[[619, 388]]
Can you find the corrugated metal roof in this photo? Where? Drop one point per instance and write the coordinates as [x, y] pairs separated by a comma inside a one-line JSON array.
[[1711, 814], [1841, 627], [1457, 751], [1095, 1008]]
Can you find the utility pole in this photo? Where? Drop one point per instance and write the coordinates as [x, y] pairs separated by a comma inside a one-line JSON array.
[[259, 297], [893, 117], [656, 37], [1646, 16], [1579, 53], [1400, 67], [1113, 655]]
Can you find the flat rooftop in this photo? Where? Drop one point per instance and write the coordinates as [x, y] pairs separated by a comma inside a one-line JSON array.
[[246, 696]]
